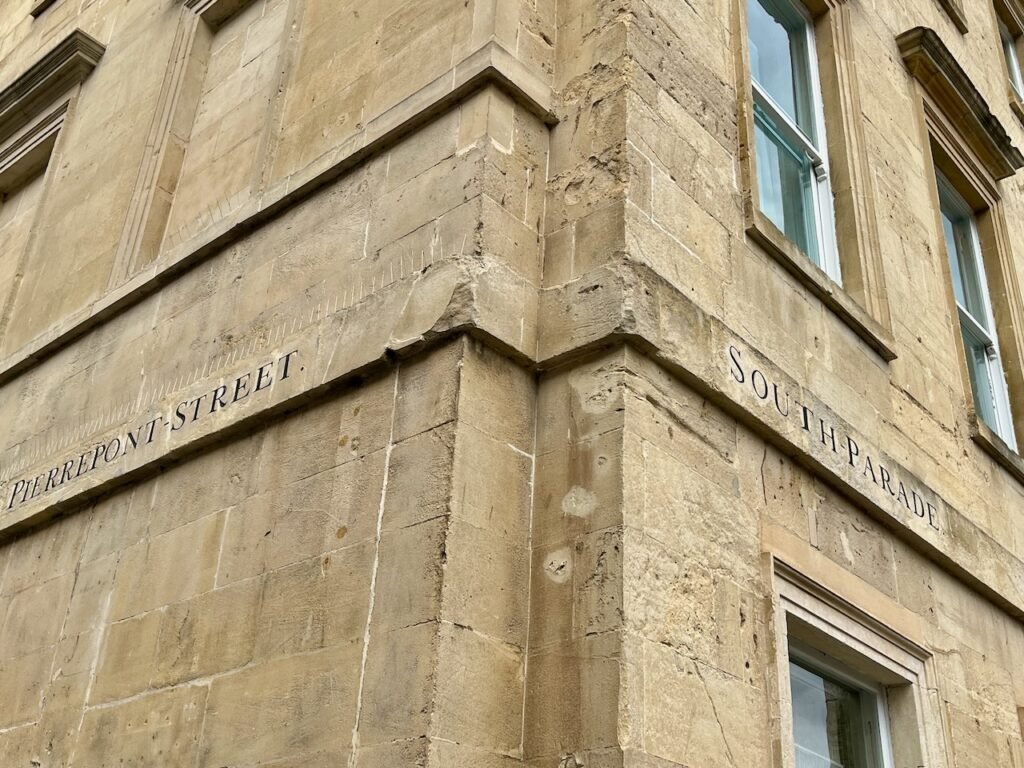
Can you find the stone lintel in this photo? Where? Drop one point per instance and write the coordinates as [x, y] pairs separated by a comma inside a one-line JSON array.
[[67, 64], [945, 81]]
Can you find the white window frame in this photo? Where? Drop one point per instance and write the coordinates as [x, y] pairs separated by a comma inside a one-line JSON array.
[[977, 328], [821, 191], [1011, 57]]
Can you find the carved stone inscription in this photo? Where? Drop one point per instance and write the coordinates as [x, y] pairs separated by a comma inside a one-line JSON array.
[[824, 436], [174, 420]]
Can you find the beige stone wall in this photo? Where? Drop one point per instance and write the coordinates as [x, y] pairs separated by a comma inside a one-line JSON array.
[[350, 580], [509, 504]]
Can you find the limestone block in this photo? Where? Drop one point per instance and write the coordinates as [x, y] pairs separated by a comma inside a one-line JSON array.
[[208, 634], [510, 239], [289, 441], [287, 708], [702, 714], [571, 698], [551, 596], [973, 743], [479, 691], [52, 552], [486, 583], [428, 391], [23, 680], [210, 483], [21, 745], [559, 251], [579, 489], [314, 604], [580, 403], [398, 692], [92, 590], [410, 575], [413, 751], [155, 728], [857, 544], [419, 478], [26, 628], [598, 582], [497, 398], [119, 522], [490, 484], [687, 511], [126, 665], [167, 568], [444, 753], [410, 159]]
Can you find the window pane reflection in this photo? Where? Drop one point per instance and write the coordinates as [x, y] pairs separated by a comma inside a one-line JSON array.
[[829, 722], [779, 58], [784, 179]]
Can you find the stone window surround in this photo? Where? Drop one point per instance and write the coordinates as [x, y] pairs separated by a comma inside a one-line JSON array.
[[861, 302], [1011, 13], [955, 11], [966, 142], [33, 109], [814, 617]]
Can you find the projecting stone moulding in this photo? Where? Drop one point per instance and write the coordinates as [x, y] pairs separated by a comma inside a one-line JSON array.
[[944, 80], [65, 66]]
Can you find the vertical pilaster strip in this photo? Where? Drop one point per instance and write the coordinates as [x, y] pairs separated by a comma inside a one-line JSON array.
[[161, 167]]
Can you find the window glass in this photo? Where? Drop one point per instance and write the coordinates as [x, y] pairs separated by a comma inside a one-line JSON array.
[[784, 181], [977, 328], [1012, 59], [832, 724], [793, 184], [779, 58], [961, 248]]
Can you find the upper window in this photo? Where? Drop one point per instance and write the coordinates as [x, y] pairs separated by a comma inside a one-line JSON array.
[[793, 183], [1009, 44], [977, 323]]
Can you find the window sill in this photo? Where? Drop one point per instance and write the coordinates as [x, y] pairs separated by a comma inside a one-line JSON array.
[[1017, 106], [761, 230], [997, 448]]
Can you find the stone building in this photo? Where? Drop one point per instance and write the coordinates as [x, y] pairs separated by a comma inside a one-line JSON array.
[[604, 383]]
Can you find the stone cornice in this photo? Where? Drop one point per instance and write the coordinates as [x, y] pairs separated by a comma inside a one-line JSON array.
[[944, 80], [489, 66], [64, 66]]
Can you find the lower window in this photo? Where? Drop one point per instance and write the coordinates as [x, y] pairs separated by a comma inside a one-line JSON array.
[[851, 688], [837, 719]]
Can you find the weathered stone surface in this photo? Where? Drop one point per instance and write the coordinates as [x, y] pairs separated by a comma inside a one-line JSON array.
[[406, 383]]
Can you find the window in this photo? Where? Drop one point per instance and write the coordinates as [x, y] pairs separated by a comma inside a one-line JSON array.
[[851, 686], [1009, 44], [974, 307], [839, 721], [793, 183]]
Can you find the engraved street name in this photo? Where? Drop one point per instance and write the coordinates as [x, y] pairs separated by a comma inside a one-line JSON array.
[[178, 418], [823, 436]]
